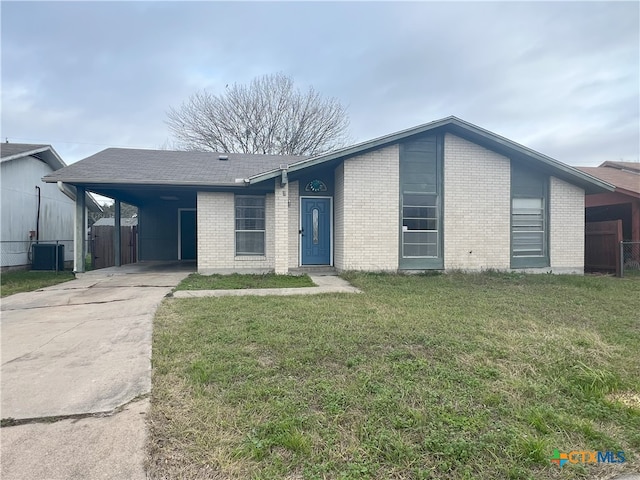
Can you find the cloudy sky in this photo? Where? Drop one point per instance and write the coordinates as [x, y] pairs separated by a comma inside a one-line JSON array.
[[561, 78]]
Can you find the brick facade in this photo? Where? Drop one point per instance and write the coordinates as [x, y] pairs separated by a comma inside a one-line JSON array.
[[216, 236], [280, 227], [566, 227], [366, 215], [477, 212]]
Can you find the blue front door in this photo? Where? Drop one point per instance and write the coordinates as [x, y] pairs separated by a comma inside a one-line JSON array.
[[316, 231]]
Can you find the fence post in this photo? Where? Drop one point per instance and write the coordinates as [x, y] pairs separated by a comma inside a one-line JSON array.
[[57, 259], [621, 259]]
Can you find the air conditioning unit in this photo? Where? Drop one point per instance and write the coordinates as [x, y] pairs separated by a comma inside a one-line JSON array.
[[45, 256]]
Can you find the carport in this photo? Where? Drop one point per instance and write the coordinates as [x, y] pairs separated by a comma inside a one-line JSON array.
[[166, 219], [164, 186]]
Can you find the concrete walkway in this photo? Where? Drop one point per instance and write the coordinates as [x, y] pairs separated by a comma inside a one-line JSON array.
[[325, 284], [79, 353]]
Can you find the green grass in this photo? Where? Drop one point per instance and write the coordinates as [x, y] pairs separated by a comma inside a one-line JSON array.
[[27, 281], [419, 377], [227, 282]]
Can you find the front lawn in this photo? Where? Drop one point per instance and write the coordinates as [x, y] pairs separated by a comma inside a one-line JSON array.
[[27, 281], [234, 281], [444, 377]]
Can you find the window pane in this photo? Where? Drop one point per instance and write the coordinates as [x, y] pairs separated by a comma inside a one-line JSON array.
[[249, 224], [527, 203], [249, 212], [412, 250], [420, 237], [250, 201], [420, 224], [249, 243], [416, 199]]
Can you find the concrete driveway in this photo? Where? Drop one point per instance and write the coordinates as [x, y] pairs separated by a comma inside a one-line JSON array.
[[78, 354]]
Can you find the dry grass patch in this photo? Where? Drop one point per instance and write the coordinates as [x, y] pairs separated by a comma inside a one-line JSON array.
[[630, 399]]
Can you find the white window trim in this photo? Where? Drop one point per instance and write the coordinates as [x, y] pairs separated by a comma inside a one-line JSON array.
[[236, 231]]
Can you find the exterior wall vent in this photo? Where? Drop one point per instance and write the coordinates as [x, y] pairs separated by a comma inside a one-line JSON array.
[[223, 157]]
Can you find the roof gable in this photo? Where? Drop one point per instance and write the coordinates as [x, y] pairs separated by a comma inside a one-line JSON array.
[[44, 153], [467, 131]]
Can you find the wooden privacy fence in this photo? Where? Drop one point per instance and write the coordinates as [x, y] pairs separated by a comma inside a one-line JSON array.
[[602, 246], [102, 242]]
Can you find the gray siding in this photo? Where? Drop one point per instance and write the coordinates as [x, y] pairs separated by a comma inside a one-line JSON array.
[[19, 210]]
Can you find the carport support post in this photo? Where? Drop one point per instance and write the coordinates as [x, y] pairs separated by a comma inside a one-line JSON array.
[[117, 233], [79, 232]]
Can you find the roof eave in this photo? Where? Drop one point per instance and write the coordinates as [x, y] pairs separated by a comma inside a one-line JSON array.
[[601, 185], [85, 182], [629, 193], [71, 192]]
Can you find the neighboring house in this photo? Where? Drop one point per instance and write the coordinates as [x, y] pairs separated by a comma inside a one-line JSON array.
[[33, 211], [623, 204], [446, 195]]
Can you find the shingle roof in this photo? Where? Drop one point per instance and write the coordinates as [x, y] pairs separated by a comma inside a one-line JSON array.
[[14, 149], [158, 167], [622, 179]]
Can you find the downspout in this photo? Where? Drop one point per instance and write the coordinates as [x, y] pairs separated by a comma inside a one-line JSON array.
[[38, 216]]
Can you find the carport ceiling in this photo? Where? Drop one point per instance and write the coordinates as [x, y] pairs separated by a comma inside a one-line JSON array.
[[140, 195]]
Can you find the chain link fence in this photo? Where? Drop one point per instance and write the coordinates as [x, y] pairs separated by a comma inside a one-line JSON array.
[[629, 258], [18, 253]]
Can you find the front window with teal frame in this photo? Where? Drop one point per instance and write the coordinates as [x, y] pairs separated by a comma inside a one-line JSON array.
[[529, 218], [421, 204]]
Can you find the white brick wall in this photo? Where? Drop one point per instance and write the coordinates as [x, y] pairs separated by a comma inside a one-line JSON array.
[[294, 224], [367, 211], [281, 228], [477, 190], [216, 236], [566, 227], [338, 218]]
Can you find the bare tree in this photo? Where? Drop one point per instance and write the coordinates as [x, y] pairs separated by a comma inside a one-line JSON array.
[[268, 116]]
